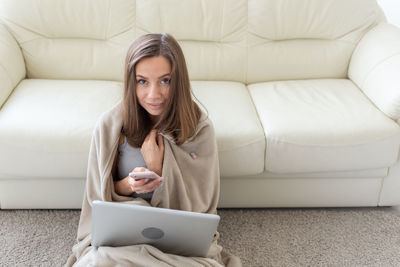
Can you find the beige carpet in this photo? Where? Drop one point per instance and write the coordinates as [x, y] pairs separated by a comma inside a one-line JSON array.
[[261, 237]]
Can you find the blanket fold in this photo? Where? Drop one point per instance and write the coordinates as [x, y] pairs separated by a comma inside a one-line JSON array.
[[189, 184]]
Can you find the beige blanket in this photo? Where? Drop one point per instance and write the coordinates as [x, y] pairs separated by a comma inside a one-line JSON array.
[[189, 184]]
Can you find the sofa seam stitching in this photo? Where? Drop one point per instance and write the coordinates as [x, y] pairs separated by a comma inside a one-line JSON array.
[[377, 65], [381, 189], [247, 45], [108, 21], [255, 141], [333, 146]]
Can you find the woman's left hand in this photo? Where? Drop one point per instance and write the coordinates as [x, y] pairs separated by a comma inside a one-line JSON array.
[[153, 151]]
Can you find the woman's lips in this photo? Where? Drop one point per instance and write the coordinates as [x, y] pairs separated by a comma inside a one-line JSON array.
[[155, 106]]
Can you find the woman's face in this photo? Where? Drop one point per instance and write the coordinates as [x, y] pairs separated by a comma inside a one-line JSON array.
[[153, 76]]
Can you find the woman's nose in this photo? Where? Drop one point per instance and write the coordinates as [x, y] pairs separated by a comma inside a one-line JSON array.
[[154, 90]]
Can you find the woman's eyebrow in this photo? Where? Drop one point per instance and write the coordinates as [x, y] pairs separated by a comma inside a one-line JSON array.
[[166, 74], [141, 76]]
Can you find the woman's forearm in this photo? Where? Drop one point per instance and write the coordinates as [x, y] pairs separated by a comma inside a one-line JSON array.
[[122, 187], [156, 169]]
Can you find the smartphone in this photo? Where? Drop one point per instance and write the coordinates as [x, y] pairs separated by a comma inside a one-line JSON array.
[[149, 175]]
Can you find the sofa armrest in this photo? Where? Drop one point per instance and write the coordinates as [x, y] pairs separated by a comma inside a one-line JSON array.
[[375, 68], [12, 65]]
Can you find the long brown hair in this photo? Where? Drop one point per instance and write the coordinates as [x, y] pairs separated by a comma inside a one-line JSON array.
[[181, 114]]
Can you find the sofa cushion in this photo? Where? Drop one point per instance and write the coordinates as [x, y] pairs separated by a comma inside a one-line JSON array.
[[240, 138], [212, 34], [308, 39], [46, 126], [323, 125], [89, 38]]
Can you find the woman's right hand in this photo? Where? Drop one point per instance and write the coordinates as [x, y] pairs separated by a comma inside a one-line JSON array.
[[140, 186]]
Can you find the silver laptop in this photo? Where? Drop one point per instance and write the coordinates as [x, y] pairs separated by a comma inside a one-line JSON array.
[[172, 231]]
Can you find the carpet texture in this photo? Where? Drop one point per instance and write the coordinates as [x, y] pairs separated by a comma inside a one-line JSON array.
[[260, 237]]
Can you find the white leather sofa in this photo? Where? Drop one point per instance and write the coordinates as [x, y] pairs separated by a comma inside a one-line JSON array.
[[304, 95]]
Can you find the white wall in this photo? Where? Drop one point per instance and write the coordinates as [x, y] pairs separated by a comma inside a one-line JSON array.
[[392, 10]]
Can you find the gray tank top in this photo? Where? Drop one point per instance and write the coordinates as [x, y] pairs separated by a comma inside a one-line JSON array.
[[129, 158]]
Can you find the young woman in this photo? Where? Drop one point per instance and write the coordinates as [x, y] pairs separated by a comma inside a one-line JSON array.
[[156, 127], [157, 99]]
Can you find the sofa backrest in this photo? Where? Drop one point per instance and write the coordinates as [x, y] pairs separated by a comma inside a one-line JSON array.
[[236, 40]]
